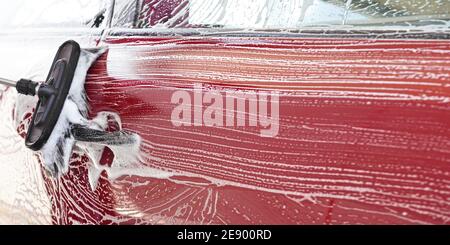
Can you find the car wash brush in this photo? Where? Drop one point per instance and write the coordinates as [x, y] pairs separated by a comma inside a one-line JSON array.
[[60, 116]]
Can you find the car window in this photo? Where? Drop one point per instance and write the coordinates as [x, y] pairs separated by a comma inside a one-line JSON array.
[[52, 13], [281, 14]]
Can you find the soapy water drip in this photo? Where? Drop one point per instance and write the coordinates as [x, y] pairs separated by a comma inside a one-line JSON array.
[[73, 124]]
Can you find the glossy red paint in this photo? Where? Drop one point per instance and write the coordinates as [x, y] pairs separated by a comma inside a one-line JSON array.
[[364, 133]]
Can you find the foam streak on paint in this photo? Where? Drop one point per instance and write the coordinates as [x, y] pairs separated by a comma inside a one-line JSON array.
[[363, 122], [364, 135]]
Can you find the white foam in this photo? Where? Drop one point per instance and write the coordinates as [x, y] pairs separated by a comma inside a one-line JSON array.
[[57, 150], [127, 157]]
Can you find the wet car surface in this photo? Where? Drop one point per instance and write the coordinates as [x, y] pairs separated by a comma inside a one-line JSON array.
[[362, 136]]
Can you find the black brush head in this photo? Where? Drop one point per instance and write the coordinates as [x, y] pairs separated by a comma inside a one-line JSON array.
[[52, 95]]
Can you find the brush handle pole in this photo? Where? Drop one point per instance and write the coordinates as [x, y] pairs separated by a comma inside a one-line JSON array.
[[8, 82], [23, 86]]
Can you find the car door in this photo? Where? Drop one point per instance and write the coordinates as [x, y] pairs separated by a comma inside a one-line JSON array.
[[343, 115], [268, 112]]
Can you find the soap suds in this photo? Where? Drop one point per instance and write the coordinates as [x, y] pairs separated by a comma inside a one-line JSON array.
[[57, 149]]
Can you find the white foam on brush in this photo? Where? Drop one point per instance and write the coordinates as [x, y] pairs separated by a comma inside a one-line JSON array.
[[57, 150]]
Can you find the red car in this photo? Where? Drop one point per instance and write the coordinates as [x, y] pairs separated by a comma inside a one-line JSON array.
[[258, 112]]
